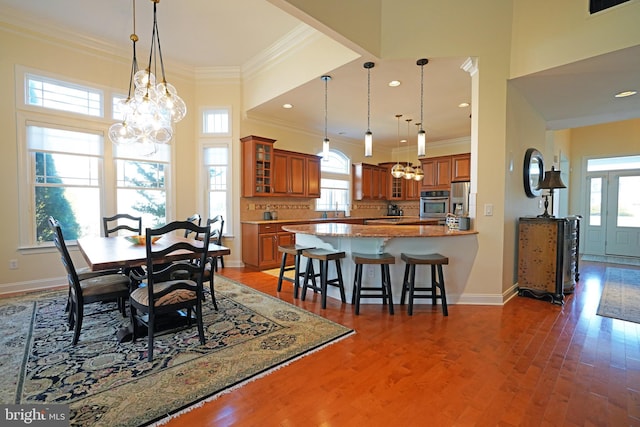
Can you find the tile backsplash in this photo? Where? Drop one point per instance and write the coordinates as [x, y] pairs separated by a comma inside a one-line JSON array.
[[253, 208]]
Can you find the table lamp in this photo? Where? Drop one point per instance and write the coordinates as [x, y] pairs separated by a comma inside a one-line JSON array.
[[551, 181]]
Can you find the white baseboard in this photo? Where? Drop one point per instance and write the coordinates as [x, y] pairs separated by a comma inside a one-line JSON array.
[[32, 285]]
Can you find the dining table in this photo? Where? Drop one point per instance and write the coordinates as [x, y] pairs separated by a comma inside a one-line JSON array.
[[117, 252], [106, 253]]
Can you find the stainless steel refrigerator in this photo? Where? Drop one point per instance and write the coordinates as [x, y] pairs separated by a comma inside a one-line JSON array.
[[459, 198]]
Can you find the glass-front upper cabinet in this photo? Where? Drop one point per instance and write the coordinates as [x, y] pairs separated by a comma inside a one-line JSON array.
[[257, 174]]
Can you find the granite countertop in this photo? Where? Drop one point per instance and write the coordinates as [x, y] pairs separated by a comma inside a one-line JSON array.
[[334, 229], [320, 220]]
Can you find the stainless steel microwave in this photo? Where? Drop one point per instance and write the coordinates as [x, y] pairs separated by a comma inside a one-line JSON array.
[[434, 204]]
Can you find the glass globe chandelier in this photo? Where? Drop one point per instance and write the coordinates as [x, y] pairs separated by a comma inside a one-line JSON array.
[[409, 172], [151, 108]]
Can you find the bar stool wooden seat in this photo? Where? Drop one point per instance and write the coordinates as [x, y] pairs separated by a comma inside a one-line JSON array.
[[384, 291], [323, 256], [437, 279], [296, 252]]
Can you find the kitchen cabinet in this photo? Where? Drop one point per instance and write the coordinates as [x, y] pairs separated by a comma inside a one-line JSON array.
[[461, 167], [548, 257], [290, 178], [398, 189], [369, 182], [271, 172], [313, 176], [260, 241], [412, 189], [268, 237], [437, 173], [258, 167]]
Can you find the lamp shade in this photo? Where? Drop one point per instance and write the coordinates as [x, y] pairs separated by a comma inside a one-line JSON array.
[[552, 180]]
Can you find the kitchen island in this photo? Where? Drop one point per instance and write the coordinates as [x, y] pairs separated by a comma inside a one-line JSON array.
[[459, 246]]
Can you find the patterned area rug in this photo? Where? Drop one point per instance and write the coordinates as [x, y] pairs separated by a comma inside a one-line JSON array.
[[107, 383], [621, 295]]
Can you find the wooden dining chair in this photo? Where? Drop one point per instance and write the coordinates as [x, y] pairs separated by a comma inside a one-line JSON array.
[[197, 220], [161, 292], [113, 224], [92, 288], [217, 227]]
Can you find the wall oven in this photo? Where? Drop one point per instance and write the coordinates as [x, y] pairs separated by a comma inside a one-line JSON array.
[[434, 204]]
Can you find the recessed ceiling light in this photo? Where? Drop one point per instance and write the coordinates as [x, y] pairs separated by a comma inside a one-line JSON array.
[[463, 104], [625, 93], [394, 83], [287, 106]]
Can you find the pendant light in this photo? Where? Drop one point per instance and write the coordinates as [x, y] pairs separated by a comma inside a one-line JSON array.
[[419, 173], [325, 141], [398, 170], [368, 136], [421, 133], [409, 172]]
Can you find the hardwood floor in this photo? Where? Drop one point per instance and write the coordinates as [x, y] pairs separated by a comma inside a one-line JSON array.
[[528, 363]]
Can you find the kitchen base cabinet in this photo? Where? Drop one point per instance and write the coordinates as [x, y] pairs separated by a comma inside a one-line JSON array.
[[268, 237], [547, 257]]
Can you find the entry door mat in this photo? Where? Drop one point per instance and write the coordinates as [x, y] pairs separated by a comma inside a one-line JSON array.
[[107, 383], [621, 295]]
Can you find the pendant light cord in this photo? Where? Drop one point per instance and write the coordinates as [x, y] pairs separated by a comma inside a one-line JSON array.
[[421, 95], [134, 63], [369, 99], [326, 80]]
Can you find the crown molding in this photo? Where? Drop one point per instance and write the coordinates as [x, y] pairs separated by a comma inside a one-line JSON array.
[[222, 75], [288, 45]]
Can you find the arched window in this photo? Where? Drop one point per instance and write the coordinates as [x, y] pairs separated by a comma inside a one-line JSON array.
[[335, 183]]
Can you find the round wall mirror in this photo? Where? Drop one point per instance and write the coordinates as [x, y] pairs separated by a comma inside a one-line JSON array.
[[533, 172]]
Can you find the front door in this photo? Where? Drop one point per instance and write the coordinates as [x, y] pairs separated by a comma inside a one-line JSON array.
[[612, 226], [623, 214]]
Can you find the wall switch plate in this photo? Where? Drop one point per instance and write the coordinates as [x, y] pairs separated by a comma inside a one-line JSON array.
[[13, 264], [488, 209]]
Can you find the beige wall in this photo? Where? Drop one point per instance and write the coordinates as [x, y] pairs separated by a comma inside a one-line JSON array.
[[550, 33]]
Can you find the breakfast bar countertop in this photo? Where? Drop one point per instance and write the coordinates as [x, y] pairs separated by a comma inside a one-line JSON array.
[[334, 229]]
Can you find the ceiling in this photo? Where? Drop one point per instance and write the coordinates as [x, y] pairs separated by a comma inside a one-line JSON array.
[[204, 34]]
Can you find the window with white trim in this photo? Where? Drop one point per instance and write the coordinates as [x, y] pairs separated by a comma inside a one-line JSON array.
[[335, 182], [70, 170], [63, 96], [65, 167], [216, 121], [216, 161], [216, 164], [140, 183]]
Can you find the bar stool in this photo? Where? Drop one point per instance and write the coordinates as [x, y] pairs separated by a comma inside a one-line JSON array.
[[323, 256], [296, 252], [437, 281], [384, 291]]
